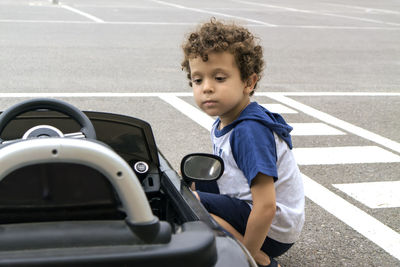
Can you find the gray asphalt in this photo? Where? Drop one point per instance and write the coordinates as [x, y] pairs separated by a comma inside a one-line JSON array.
[[314, 46]]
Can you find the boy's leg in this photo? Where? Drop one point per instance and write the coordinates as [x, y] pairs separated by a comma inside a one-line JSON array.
[[231, 210], [232, 215], [224, 223], [228, 227], [274, 248], [260, 258]]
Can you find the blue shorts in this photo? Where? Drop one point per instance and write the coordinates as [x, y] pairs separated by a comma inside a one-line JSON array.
[[236, 212]]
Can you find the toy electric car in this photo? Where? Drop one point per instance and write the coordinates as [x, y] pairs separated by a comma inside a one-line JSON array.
[[92, 189]]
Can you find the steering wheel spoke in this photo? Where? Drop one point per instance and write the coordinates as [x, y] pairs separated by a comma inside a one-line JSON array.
[[77, 135]]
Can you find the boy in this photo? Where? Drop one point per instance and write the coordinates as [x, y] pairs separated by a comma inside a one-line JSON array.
[[260, 198]]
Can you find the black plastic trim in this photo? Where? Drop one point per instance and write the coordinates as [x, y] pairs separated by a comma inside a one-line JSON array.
[[195, 246], [151, 232]]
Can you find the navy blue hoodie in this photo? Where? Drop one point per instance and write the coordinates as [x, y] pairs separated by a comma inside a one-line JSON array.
[[273, 121]]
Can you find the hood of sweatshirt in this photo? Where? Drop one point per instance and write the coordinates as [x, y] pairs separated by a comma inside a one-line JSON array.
[[273, 121]]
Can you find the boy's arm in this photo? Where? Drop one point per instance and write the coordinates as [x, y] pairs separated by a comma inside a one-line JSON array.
[[262, 213]]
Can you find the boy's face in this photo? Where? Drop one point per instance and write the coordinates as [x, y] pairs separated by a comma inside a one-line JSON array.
[[218, 88]]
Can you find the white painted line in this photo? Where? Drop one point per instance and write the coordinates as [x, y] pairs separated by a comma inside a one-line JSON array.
[[46, 21], [375, 195], [99, 94], [143, 23], [279, 108], [328, 93], [317, 13], [327, 27], [91, 17], [96, 94], [214, 13], [311, 129], [368, 9], [343, 155], [36, 4], [371, 228], [392, 145], [190, 111]]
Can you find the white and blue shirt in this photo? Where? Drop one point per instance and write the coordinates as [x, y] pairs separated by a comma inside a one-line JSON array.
[[259, 142]]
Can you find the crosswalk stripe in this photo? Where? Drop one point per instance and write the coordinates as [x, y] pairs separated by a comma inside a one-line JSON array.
[[359, 220], [374, 195], [207, 121], [383, 141], [304, 156], [316, 128], [190, 111], [343, 155]]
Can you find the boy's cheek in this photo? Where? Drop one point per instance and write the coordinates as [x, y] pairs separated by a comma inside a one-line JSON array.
[[196, 98]]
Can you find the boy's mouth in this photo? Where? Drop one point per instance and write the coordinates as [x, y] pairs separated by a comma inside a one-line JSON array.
[[209, 103]]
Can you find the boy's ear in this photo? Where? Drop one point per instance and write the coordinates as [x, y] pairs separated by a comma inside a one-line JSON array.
[[250, 83]]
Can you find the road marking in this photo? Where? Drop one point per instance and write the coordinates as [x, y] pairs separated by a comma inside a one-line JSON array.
[[46, 21], [36, 4], [87, 15], [96, 94], [368, 9], [386, 142], [99, 21], [310, 129], [214, 13], [317, 13], [329, 93], [279, 108], [326, 27], [343, 155], [190, 111], [375, 195], [368, 226], [206, 121]]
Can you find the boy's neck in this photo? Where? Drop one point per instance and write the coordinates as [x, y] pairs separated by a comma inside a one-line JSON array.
[[225, 121]]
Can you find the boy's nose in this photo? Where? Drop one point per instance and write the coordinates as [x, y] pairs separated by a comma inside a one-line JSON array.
[[207, 86]]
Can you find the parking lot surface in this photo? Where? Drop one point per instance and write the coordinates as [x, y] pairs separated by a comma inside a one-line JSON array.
[[333, 72]]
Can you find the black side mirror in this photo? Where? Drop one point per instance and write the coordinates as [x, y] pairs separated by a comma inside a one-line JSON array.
[[201, 167]]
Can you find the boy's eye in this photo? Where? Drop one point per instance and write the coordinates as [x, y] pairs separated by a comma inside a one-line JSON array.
[[196, 81], [220, 78]]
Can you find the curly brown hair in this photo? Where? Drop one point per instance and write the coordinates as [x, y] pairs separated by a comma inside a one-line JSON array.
[[215, 36]]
